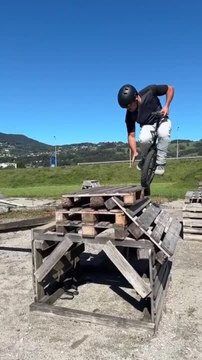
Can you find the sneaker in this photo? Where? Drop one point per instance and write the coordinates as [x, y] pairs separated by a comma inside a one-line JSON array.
[[140, 165], [160, 169]]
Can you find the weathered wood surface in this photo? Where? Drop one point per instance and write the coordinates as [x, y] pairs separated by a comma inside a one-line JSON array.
[[105, 191], [161, 222], [97, 197], [192, 221], [193, 196], [95, 318], [161, 304], [192, 230], [52, 259], [144, 221], [171, 237], [145, 232], [193, 236], [100, 239], [25, 224], [142, 288]]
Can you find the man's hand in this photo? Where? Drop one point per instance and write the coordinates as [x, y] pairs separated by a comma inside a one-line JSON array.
[[165, 110], [134, 156]]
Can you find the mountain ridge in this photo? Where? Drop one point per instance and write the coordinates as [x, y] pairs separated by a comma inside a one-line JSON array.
[[26, 151]]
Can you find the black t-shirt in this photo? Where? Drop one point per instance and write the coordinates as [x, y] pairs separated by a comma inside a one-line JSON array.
[[150, 103]]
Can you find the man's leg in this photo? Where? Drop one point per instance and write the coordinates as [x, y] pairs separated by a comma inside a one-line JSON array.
[[145, 138], [164, 131]]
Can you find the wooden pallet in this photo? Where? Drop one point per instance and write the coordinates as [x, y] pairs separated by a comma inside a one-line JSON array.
[[97, 197], [192, 221], [90, 221], [193, 196]]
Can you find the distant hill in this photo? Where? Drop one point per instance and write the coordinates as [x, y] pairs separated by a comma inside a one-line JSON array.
[[28, 152], [21, 142]]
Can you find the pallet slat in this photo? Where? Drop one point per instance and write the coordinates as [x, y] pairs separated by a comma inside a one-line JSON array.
[[127, 270]]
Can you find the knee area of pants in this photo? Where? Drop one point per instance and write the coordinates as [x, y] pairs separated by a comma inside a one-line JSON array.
[[164, 133], [145, 139]]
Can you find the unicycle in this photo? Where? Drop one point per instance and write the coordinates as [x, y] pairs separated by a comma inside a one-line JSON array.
[[149, 165]]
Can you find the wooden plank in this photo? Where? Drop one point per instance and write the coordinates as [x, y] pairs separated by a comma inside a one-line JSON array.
[[104, 191], [193, 215], [151, 279], [126, 270], [172, 236], [148, 216], [159, 278], [110, 204], [52, 259], [139, 205], [24, 224], [196, 237], [50, 299], [191, 230], [192, 222], [144, 220], [37, 260], [101, 239], [161, 303], [192, 207], [95, 318], [161, 222], [46, 227]]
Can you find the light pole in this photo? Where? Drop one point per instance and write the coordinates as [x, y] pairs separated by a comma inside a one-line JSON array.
[[55, 152], [177, 150]]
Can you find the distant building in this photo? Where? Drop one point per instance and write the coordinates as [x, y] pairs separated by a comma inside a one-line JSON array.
[[8, 165]]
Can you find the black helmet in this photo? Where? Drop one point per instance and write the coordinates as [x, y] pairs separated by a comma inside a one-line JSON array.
[[126, 95]]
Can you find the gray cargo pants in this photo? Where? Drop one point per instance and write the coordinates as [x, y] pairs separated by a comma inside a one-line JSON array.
[[145, 137]]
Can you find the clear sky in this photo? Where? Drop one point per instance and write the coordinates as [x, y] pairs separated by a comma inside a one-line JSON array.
[[62, 63]]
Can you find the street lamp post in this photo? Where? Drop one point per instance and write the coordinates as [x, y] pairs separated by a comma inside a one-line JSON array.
[[55, 152], [177, 150]]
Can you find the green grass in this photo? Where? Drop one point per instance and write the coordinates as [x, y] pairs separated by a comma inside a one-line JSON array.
[[180, 176]]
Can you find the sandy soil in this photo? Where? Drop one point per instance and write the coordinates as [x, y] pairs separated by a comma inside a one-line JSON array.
[[26, 335]]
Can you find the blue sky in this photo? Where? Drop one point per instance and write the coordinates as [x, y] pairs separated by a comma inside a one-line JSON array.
[[63, 62]]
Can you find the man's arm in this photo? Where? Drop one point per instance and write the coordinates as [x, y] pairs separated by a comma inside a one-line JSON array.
[[160, 90], [133, 146], [130, 124], [169, 98]]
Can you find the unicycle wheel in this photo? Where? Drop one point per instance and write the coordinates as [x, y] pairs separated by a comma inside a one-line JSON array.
[[148, 169]]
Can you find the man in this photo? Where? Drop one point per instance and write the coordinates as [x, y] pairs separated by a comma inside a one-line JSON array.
[[140, 106]]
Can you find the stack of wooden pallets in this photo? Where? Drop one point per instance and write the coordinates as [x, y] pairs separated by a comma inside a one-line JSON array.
[[192, 215], [113, 218]]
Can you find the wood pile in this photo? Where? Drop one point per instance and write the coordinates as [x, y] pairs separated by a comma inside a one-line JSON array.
[[115, 218], [192, 215]]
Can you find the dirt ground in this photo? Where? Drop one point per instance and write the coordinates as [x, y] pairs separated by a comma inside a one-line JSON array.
[[25, 335]]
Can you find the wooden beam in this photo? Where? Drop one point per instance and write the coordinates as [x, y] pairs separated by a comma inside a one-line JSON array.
[[46, 227], [24, 224], [53, 258], [127, 270], [101, 239], [95, 318]]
